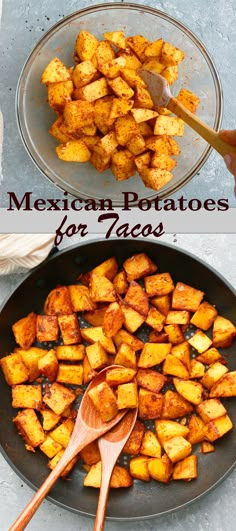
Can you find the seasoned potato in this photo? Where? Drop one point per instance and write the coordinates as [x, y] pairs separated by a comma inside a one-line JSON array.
[[14, 370], [104, 401], [48, 365], [55, 72], [186, 469], [24, 330]]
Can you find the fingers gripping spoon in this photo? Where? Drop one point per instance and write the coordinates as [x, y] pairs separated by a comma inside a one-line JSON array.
[[162, 97]]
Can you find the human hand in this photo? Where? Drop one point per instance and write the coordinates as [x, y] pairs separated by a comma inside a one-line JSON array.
[[230, 158]]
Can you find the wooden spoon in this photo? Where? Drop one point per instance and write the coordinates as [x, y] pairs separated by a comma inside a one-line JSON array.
[[88, 427], [110, 446], [162, 97]]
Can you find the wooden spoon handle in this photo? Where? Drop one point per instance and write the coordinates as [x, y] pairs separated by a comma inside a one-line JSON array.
[[211, 136], [102, 502]]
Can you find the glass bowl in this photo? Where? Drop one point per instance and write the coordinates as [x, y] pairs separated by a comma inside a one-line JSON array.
[[197, 73]]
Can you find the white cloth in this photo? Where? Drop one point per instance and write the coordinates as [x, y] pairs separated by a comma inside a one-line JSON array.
[[21, 252]]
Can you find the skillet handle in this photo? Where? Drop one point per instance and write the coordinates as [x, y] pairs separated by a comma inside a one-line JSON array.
[[211, 136]]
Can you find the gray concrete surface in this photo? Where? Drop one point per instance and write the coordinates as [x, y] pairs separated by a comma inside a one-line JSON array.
[[214, 512], [23, 23]]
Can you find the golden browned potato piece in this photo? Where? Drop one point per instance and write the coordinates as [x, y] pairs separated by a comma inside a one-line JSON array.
[[55, 72], [73, 151], [24, 330], [138, 468], [58, 398], [133, 445], [96, 355], [14, 370], [160, 468], [186, 297], [223, 333], [171, 56], [104, 401], [120, 477], [29, 427], [167, 429], [113, 319], [48, 365], [188, 99], [122, 165], [27, 396], [70, 329], [186, 469], [86, 45]]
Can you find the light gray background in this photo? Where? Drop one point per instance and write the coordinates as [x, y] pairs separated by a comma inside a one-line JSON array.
[[214, 512], [24, 22]]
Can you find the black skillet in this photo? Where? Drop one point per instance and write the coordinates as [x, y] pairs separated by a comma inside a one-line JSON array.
[[142, 500]]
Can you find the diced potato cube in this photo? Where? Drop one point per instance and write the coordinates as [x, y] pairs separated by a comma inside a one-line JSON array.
[[81, 298], [150, 404], [119, 375], [175, 406], [59, 94], [14, 370], [86, 45], [78, 114], [133, 444], [132, 319], [70, 329], [113, 319], [70, 352], [132, 77], [226, 386], [177, 448], [186, 469], [211, 409], [104, 54], [120, 87], [54, 72], [155, 178], [58, 302], [136, 144], [209, 356], [125, 127], [138, 265], [138, 44], [142, 161], [73, 151], [186, 297], [125, 337], [125, 356], [55, 460], [83, 73], [197, 369], [132, 61], [150, 380], [138, 468], [170, 55], [120, 282], [62, 433], [188, 99], [104, 401], [171, 74], [161, 303], [137, 298], [154, 48], [200, 341], [58, 398], [153, 353], [91, 454], [24, 330], [70, 374], [48, 365], [27, 396], [29, 427], [169, 125], [120, 107], [101, 289], [155, 319], [95, 334], [217, 428], [207, 447], [97, 355], [182, 352], [167, 429], [142, 98], [50, 447], [120, 477], [223, 332], [175, 334], [127, 395], [47, 328], [160, 468], [102, 110], [158, 285], [190, 390], [93, 91], [196, 430], [163, 162], [213, 374], [88, 371], [150, 445], [56, 131], [117, 38], [122, 165], [108, 269], [142, 115], [50, 419], [174, 366]]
